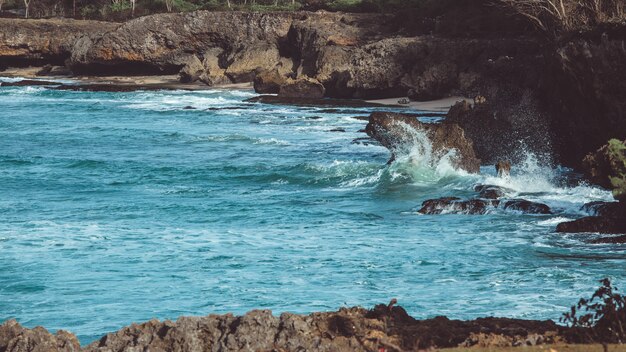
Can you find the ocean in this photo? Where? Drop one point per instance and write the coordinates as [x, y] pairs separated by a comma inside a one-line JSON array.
[[121, 207]]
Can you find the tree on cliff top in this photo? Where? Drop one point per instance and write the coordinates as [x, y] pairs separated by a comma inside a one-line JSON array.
[[552, 16]]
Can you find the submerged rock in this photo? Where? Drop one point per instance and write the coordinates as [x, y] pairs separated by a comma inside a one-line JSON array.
[[491, 191], [527, 207], [454, 205], [594, 224], [398, 132]]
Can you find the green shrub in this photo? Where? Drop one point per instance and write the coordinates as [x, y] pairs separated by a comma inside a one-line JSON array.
[[617, 155], [602, 318]]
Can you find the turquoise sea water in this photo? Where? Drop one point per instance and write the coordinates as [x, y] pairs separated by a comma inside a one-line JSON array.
[[120, 207]]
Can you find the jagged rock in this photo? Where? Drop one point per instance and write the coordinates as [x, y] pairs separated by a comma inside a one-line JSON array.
[[15, 338], [607, 167], [454, 205], [269, 82], [385, 327], [397, 131], [192, 70], [491, 191], [594, 224], [527, 207], [301, 88], [45, 41], [606, 209]]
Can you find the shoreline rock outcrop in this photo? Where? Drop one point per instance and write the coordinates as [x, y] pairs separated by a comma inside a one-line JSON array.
[[559, 97], [490, 198], [399, 133], [385, 327]]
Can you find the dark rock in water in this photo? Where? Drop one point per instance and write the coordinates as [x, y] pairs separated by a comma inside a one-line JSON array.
[[398, 132], [594, 224], [491, 191], [454, 205], [269, 82], [27, 83], [527, 207], [337, 130], [302, 88], [189, 107], [606, 209], [365, 141], [611, 240]]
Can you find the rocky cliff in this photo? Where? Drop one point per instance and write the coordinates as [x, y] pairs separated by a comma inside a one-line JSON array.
[[560, 97], [384, 328], [39, 42]]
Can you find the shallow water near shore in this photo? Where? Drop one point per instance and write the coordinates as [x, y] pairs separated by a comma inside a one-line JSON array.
[[120, 207]]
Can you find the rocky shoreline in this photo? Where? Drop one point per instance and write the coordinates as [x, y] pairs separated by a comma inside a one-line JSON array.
[[561, 98], [383, 328]]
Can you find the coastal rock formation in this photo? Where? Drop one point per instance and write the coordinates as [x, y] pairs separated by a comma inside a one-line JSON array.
[[454, 205], [399, 133], [607, 167], [241, 43], [301, 88], [385, 327], [605, 217], [594, 224], [490, 197], [269, 82], [560, 98], [527, 207], [24, 42], [15, 338]]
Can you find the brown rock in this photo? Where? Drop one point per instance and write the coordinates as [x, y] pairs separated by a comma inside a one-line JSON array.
[[15, 338], [594, 224], [192, 70], [269, 82], [301, 88], [527, 207], [396, 131]]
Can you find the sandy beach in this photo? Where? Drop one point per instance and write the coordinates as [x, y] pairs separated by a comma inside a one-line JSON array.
[[440, 105]]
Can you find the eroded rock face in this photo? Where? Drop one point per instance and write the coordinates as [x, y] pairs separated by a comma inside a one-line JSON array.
[[307, 88], [269, 82], [594, 224], [607, 167], [24, 42], [397, 132], [15, 338], [350, 329]]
